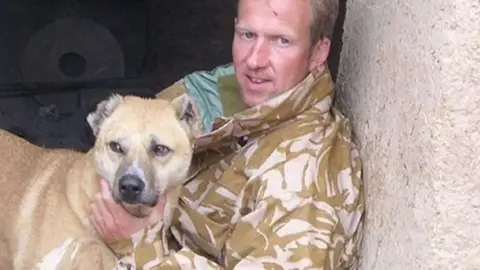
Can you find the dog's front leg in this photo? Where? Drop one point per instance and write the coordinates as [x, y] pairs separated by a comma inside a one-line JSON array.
[[96, 256]]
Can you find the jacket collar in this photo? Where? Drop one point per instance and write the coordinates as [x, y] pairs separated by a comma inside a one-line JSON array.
[[316, 90]]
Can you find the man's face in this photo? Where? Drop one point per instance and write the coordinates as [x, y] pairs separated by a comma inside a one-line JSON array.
[[271, 47]]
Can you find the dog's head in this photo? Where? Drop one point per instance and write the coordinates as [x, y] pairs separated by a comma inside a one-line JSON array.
[[143, 147]]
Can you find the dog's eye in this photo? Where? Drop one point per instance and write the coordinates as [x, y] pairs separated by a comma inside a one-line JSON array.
[[161, 150], [116, 147]]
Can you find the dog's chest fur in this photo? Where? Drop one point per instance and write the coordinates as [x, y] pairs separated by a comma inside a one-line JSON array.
[[34, 184]]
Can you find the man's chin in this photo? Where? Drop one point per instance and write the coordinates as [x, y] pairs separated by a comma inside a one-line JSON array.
[[138, 210], [253, 100]]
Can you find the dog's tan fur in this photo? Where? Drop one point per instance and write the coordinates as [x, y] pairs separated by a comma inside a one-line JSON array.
[[46, 193]]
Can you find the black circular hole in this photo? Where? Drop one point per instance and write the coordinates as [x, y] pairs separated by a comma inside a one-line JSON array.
[[72, 64]]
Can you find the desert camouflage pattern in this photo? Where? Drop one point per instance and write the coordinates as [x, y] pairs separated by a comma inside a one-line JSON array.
[[277, 186]]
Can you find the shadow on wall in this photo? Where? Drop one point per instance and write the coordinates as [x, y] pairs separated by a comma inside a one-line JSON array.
[[337, 41]]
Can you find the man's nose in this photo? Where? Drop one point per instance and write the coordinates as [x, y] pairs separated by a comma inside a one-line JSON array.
[[259, 55]]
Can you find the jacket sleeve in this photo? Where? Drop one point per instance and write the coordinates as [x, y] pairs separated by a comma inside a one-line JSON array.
[[173, 91], [143, 250]]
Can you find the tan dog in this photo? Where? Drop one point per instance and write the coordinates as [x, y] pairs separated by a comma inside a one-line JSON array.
[[143, 149]]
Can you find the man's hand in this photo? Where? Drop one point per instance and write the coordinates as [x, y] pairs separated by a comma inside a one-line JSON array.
[[112, 221]]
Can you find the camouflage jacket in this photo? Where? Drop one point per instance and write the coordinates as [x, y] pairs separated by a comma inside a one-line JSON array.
[[278, 186]]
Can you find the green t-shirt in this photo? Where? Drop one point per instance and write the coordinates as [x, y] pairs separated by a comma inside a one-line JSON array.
[[216, 93]]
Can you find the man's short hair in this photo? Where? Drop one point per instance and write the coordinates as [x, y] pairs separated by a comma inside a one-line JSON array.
[[324, 17]]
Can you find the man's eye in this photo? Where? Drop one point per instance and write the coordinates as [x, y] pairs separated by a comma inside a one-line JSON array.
[[161, 150], [115, 147], [283, 41], [248, 35]]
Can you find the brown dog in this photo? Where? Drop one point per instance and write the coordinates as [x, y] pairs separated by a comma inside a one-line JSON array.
[[143, 149]]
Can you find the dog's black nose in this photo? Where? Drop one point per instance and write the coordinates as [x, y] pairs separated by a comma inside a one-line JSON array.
[[131, 187]]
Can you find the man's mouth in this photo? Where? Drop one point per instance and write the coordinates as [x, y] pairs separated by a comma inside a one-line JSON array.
[[257, 80]]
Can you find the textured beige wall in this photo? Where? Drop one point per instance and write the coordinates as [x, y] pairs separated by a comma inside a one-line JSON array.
[[409, 78]]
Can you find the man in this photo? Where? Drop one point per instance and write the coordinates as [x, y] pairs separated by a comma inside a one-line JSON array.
[[281, 184]]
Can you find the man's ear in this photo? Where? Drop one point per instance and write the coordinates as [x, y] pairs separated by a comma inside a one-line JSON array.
[[188, 113], [104, 109], [319, 53]]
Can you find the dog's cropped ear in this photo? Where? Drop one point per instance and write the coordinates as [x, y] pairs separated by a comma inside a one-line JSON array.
[[104, 109], [188, 113]]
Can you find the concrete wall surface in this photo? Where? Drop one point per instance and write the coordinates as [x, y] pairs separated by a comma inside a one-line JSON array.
[[409, 79]]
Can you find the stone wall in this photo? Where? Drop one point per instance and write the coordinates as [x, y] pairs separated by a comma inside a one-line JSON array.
[[409, 78]]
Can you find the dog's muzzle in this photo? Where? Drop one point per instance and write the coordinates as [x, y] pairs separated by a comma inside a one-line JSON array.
[[131, 189]]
